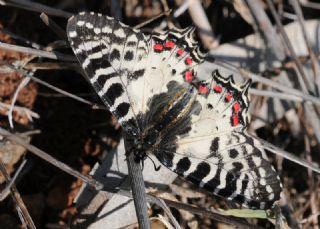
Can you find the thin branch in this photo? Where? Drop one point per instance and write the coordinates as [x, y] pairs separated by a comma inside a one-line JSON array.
[[39, 53], [36, 7], [70, 95], [116, 9], [312, 116], [20, 110], [266, 28], [313, 5], [278, 151], [274, 94], [201, 21], [53, 26], [304, 83], [29, 133], [6, 191], [38, 152], [161, 203], [51, 66], [150, 20], [215, 215], [314, 61], [273, 84], [313, 198], [22, 39], [183, 8], [22, 84], [289, 16], [20, 206], [63, 92], [138, 188]]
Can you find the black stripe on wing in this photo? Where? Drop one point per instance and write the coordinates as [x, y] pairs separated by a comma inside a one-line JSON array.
[[257, 187], [91, 36]]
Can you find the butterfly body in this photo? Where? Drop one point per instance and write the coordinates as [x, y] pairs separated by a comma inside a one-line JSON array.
[[167, 118], [174, 104]]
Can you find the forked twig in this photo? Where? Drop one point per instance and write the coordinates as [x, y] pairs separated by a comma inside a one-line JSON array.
[[161, 203], [21, 110], [63, 92], [21, 208], [5, 192]]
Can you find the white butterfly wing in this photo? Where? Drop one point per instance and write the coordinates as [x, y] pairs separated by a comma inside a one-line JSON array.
[[161, 82]]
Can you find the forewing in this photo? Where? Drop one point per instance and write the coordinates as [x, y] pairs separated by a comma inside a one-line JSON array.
[[128, 68], [173, 54], [112, 56]]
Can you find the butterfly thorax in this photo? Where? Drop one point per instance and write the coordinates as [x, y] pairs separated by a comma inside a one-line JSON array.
[[141, 146]]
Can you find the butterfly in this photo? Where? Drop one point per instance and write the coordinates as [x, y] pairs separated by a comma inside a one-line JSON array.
[[173, 103]]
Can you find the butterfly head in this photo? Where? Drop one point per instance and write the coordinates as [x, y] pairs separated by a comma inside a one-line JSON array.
[[144, 143]]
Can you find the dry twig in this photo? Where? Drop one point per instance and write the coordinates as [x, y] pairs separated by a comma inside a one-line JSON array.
[[20, 206], [200, 20], [36, 7], [265, 26], [39, 53], [38, 152]]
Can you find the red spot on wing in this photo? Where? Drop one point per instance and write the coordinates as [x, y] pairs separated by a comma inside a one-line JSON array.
[[228, 97], [203, 89], [180, 52], [188, 60], [235, 120], [217, 89], [169, 44], [158, 47], [236, 107], [188, 76]]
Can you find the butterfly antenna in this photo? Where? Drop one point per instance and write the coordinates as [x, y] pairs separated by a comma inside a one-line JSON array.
[[152, 19], [142, 165], [156, 168]]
